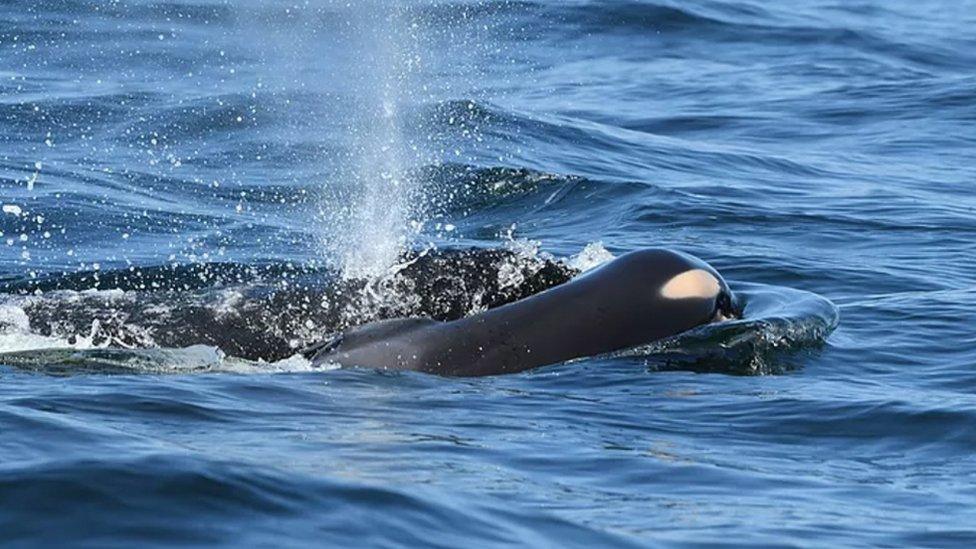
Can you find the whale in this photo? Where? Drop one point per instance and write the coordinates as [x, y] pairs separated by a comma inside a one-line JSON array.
[[640, 297]]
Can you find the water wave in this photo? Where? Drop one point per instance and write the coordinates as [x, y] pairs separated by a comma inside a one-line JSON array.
[[132, 492]]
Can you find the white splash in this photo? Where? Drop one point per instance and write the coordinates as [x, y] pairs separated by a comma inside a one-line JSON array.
[[590, 257], [16, 334], [378, 224]]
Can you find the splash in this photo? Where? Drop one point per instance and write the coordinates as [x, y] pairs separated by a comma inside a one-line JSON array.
[[379, 222], [195, 359], [590, 257]]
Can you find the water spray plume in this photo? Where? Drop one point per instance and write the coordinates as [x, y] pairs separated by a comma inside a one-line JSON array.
[[378, 227]]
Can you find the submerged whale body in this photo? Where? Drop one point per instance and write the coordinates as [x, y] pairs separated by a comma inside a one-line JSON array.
[[263, 312], [637, 298]]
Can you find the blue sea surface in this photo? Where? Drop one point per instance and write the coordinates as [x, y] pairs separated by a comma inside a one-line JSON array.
[[194, 190]]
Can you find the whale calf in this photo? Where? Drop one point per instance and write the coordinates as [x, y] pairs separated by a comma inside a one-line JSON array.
[[637, 298]]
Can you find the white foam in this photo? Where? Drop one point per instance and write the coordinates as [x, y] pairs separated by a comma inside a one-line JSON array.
[[12, 209], [590, 257], [17, 342], [15, 332], [228, 301], [527, 260], [203, 358], [13, 318]]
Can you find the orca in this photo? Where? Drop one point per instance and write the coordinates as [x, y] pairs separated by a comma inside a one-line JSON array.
[[637, 298]]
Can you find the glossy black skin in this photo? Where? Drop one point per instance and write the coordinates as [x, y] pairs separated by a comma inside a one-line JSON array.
[[616, 306]]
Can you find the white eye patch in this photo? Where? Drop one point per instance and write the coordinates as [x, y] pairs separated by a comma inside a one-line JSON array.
[[694, 283]]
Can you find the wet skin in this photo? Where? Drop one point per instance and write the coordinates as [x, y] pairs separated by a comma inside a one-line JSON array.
[[637, 298]]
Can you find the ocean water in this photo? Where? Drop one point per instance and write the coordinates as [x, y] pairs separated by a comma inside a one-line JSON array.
[[193, 191]]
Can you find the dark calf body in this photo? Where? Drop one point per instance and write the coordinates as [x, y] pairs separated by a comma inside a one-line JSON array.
[[637, 298]]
